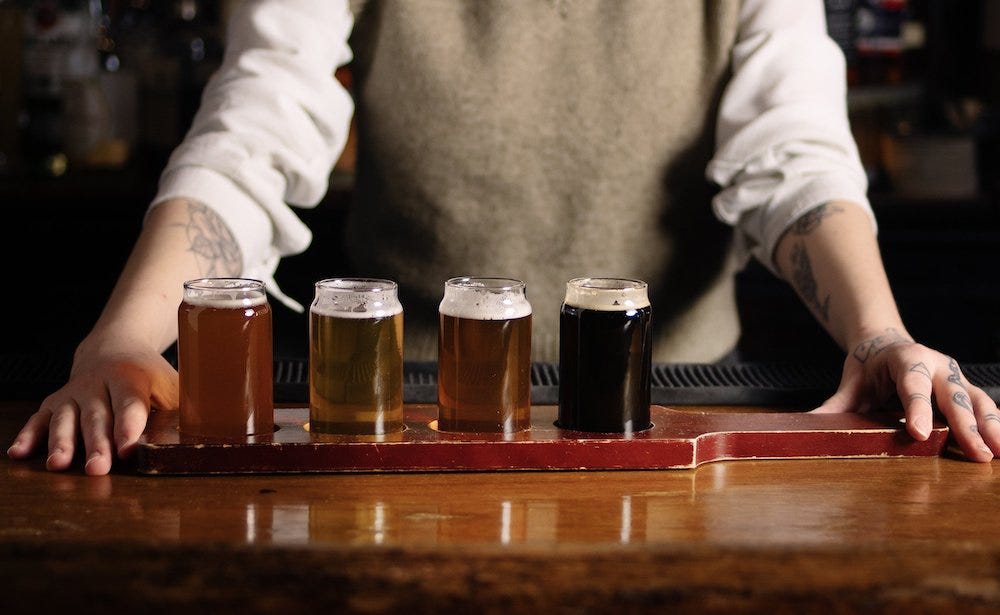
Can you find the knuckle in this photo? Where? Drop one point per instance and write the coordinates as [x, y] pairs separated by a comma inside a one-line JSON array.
[[129, 402]]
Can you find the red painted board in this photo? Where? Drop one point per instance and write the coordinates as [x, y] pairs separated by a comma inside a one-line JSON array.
[[677, 440]]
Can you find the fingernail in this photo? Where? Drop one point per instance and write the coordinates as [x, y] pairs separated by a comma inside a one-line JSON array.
[[920, 426], [12, 449], [58, 451], [93, 457], [124, 446]]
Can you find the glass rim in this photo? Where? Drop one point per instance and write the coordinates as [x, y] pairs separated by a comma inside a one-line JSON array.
[[598, 284], [357, 285], [489, 283], [224, 283]]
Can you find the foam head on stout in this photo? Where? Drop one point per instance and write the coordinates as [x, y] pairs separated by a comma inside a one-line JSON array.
[[605, 355], [356, 357], [484, 356], [224, 359]]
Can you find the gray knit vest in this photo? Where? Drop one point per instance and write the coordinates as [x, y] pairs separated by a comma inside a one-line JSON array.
[[545, 140]]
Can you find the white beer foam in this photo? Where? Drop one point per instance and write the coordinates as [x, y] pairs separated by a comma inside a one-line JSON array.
[[476, 301], [607, 294], [225, 303], [225, 293], [343, 299], [355, 305]]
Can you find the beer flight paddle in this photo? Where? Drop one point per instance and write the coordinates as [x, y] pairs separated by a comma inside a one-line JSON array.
[[678, 439], [484, 421]]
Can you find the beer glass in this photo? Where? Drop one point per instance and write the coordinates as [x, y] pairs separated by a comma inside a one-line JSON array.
[[224, 359], [605, 355], [484, 356], [356, 357]]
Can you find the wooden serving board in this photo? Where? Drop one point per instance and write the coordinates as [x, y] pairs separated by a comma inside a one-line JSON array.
[[677, 440]]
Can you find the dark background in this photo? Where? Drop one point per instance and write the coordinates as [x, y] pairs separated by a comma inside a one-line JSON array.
[[924, 113]]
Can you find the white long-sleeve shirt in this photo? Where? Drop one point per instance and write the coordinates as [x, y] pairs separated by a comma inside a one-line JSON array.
[[784, 144], [274, 120]]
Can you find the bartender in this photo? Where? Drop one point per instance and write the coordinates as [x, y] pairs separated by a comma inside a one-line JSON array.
[[543, 140]]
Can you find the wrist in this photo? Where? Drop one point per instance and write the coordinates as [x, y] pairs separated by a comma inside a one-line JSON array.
[[862, 341], [114, 340]]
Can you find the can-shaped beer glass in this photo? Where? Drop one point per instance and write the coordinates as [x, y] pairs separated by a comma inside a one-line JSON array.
[[224, 359], [356, 357], [605, 355], [484, 356]]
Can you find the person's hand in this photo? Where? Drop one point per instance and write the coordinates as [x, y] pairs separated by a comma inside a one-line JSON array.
[[106, 400], [925, 380]]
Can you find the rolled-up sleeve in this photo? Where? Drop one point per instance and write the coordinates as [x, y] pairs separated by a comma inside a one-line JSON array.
[[783, 138], [273, 120]]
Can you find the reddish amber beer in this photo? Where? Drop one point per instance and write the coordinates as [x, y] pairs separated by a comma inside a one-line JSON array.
[[224, 359], [355, 357], [484, 356]]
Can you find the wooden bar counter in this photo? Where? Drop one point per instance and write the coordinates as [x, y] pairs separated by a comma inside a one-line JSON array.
[[900, 535]]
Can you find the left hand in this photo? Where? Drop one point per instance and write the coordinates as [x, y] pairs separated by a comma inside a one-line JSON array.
[[925, 380]]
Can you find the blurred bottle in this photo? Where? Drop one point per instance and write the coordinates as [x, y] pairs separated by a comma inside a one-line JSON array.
[[11, 48], [86, 111], [841, 24], [171, 47], [44, 60], [882, 40], [66, 116], [888, 37], [193, 38]]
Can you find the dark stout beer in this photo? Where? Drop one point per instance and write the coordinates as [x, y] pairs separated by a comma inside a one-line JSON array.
[[484, 356], [224, 359], [355, 357], [605, 356]]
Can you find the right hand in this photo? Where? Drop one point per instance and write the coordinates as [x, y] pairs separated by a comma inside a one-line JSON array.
[[107, 399]]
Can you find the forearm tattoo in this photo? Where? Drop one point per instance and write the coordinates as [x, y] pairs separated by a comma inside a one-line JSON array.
[[873, 346], [211, 242], [803, 278], [810, 220], [805, 282]]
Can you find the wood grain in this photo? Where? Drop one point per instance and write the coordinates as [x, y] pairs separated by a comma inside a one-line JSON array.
[[886, 535]]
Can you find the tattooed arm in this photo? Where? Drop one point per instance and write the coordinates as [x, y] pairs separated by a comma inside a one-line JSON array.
[[831, 259], [118, 369]]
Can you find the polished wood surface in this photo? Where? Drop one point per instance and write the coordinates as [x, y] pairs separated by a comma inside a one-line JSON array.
[[873, 535]]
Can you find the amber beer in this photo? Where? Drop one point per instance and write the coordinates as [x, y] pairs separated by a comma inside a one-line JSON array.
[[356, 357], [605, 356], [484, 356], [224, 359]]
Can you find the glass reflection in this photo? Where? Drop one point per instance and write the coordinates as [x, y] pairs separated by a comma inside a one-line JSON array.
[[748, 503]]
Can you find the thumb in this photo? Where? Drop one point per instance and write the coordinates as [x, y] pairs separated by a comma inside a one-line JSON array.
[[841, 401], [847, 398]]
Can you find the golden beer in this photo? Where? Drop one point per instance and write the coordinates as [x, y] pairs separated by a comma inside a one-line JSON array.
[[224, 359], [355, 357], [484, 356]]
